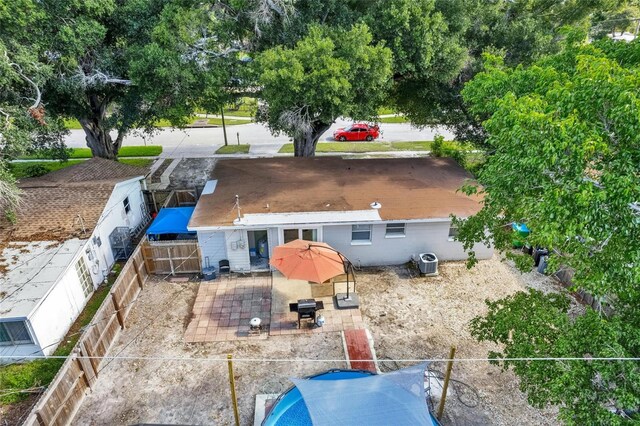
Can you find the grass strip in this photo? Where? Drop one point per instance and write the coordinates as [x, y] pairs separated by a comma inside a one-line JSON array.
[[365, 146], [233, 149]]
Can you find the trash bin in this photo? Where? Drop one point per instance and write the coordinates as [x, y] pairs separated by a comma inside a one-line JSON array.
[[538, 253], [542, 265], [209, 273]]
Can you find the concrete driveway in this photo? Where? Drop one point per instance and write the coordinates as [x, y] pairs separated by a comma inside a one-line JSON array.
[[204, 142]]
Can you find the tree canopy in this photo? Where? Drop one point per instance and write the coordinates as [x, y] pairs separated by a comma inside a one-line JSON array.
[[329, 73], [565, 141]]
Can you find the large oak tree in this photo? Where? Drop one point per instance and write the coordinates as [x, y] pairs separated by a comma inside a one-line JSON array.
[[328, 74]]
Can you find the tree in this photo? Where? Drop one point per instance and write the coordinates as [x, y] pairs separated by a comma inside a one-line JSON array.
[[329, 73], [117, 66], [24, 124], [522, 31], [566, 161]]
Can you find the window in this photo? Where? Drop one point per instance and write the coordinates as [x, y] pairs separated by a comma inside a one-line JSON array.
[[453, 232], [127, 206], [85, 279], [303, 234], [395, 230], [14, 333], [360, 233], [290, 235]]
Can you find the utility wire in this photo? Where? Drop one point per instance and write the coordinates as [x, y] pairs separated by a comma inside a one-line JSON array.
[[412, 360]]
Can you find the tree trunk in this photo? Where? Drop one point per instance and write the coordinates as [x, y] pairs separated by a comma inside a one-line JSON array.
[[305, 145], [97, 131]]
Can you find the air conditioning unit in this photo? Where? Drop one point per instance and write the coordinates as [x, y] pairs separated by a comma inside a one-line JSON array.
[[428, 264]]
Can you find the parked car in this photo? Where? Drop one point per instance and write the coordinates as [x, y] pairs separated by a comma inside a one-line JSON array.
[[357, 132]]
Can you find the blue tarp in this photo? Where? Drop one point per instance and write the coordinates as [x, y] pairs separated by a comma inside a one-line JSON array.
[[396, 398], [171, 220]]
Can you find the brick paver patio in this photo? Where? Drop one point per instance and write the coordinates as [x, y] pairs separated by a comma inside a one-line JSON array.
[[223, 308]]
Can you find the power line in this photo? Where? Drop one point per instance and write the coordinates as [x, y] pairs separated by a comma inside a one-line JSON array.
[[329, 360]]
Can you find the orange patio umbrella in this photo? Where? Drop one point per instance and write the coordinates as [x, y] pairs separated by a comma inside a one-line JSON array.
[[308, 260]]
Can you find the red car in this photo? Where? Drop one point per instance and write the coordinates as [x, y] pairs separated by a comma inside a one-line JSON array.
[[357, 132]]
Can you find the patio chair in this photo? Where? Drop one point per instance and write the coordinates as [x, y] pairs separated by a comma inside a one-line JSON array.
[[223, 267]]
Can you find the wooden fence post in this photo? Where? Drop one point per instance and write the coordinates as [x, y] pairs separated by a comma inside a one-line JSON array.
[[173, 272], [119, 312], [445, 386], [136, 267], [94, 362], [86, 367]]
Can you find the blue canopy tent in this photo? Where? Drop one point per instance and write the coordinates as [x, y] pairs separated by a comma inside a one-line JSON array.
[[171, 224]]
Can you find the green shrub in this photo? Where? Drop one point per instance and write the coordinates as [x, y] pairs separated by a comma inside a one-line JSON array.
[[35, 170], [437, 146]]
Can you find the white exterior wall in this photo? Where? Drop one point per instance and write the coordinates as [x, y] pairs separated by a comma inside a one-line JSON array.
[[419, 238], [51, 319], [212, 246], [273, 237], [238, 250], [112, 217]]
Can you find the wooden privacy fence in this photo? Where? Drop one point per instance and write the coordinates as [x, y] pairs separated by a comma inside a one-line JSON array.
[[160, 198], [59, 404], [171, 257]]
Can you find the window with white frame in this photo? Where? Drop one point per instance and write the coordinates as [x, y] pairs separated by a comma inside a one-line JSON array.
[[395, 230], [453, 232], [83, 275], [14, 333], [360, 233], [127, 206]]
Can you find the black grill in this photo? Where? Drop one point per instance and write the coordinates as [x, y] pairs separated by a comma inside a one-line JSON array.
[[307, 310]]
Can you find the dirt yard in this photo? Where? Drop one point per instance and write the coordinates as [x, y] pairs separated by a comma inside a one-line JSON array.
[[188, 391], [413, 317], [410, 318]]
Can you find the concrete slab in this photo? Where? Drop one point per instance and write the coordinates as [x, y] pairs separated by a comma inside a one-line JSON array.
[[344, 302], [288, 291], [264, 402]]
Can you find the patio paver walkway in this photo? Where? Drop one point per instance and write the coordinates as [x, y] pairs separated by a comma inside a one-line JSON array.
[[223, 308], [358, 348]]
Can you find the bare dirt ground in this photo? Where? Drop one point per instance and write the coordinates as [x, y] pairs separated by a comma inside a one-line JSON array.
[[410, 317], [413, 317], [187, 391]]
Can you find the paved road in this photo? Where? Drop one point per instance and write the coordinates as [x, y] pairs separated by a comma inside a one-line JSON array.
[[204, 142]]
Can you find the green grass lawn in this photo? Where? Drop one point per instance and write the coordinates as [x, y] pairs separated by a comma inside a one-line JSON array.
[[72, 123], [385, 111], [125, 151], [40, 372], [396, 119], [233, 149], [365, 146], [227, 121], [39, 168]]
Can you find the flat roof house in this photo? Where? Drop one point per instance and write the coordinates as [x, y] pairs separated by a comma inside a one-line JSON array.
[[375, 211], [61, 247]]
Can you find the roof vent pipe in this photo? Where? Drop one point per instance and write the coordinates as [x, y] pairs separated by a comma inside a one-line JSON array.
[[375, 205]]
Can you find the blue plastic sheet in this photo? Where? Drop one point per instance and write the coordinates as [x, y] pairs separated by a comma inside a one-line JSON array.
[[171, 220]]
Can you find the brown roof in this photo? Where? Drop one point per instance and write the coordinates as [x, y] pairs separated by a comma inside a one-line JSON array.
[[407, 188], [50, 204]]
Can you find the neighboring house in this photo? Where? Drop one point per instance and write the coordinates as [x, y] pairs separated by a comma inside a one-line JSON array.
[[58, 250], [374, 211]]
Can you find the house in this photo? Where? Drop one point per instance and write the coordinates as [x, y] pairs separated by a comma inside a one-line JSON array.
[[61, 246], [374, 211]]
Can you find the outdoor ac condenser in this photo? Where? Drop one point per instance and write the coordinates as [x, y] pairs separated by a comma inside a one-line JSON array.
[[428, 264]]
